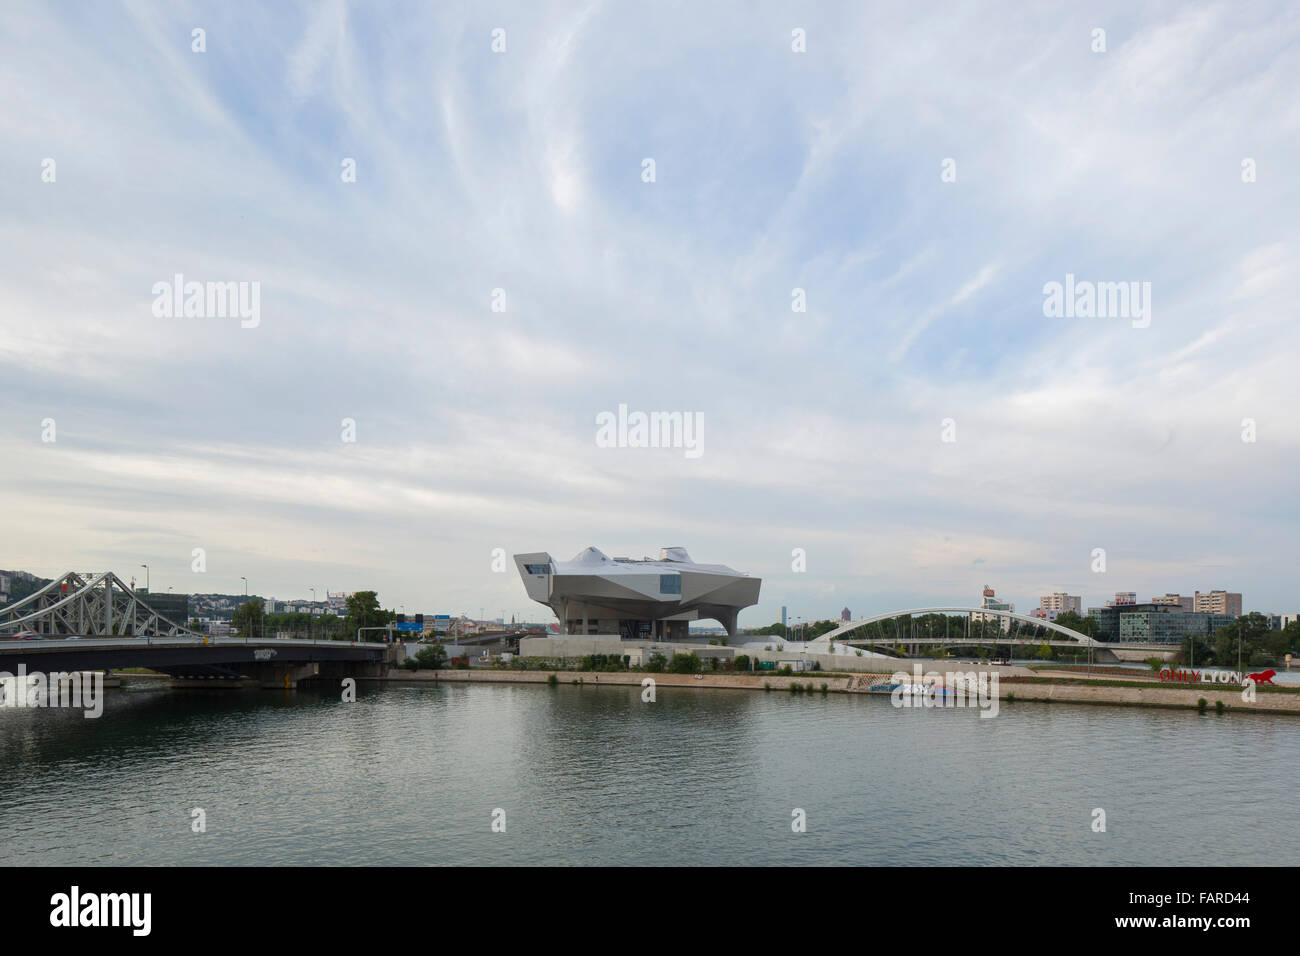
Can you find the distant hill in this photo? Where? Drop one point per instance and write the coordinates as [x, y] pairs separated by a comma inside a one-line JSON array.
[[23, 583]]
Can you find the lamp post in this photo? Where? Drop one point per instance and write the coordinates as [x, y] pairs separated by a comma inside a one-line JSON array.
[[146, 576]]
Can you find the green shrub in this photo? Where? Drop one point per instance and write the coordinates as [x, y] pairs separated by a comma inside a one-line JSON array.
[[767, 685], [1202, 704], [552, 679], [825, 687], [741, 662], [1218, 706], [684, 664], [434, 656]]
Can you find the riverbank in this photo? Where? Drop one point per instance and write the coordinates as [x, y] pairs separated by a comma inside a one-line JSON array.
[[1015, 684]]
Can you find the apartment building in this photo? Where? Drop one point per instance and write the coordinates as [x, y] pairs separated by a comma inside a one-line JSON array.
[[1218, 602]]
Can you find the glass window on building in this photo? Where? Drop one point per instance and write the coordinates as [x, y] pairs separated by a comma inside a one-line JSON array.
[[670, 584]]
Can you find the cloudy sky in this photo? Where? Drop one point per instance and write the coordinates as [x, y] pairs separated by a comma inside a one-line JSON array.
[[774, 170]]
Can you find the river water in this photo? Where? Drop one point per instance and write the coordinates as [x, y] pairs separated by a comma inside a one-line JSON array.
[[413, 774]]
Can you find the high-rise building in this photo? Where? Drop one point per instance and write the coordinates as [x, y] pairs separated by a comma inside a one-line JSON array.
[[993, 604], [4, 589], [845, 615], [783, 615], [1218, 602], [1060, 602], [1186, 603], [1123, 599]]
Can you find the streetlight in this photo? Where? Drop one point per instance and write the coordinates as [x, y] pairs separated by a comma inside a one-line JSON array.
[[146, 576]]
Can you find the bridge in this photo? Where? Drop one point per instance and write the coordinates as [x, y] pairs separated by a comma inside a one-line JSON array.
[[1068, 637], [98, 604], [1075, 638], [83, 622]]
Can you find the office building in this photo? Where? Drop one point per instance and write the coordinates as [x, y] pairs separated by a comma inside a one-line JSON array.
[[991, 602], [1152, 623]]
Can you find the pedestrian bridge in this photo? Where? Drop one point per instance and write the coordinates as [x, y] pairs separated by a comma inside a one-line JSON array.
[[1071, 638]]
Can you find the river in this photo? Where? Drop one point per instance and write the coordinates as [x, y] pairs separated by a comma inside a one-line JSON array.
[[413, 775]]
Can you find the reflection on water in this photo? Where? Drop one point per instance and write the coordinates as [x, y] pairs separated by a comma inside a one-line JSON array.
[[412, 774]]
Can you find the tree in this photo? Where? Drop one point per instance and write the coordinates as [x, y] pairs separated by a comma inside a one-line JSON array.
[[364, 611], [248, 618], [1087, 626], [433, 656]]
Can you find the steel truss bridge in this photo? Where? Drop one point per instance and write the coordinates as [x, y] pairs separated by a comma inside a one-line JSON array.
[[96, 622], [88, 605]]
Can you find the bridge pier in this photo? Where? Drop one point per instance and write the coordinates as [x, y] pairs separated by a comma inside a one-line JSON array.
[[282, 676], [359, 670]]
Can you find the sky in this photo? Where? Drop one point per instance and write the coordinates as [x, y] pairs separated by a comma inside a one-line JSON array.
[[437, 335]]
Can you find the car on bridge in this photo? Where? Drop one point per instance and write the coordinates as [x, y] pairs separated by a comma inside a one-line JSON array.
[[27, 636]]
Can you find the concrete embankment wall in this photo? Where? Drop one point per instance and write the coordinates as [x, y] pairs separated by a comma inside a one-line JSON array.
[[1156, 695], [574, 646], [622, 678]]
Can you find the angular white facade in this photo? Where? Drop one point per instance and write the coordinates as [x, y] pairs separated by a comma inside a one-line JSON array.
[[644, 598]]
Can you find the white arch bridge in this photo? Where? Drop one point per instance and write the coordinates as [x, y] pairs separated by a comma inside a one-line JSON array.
[[1072, 638]]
